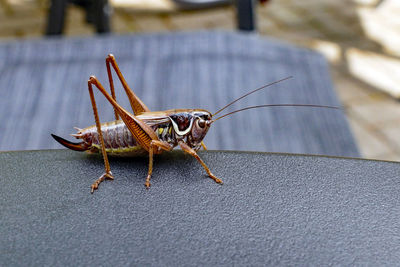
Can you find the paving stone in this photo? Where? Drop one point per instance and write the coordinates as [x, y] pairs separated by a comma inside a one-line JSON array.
[[367, 2], [266, 25], [286, 15], [23, 24], [375, 69], [392, 133], [370, 144], [145, 5], [2, 11], [216, 18], [383, 24], [75, 24], [152, 23], [331, 50], [121, 25], [376, 112], [351, 91], [392, 156]]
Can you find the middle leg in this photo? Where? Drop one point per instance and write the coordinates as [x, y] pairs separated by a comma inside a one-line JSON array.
[[154, 146]]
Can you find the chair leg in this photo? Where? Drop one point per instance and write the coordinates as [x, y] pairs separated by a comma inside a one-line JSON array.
[[245, 11], [102, 13], [56, 17]]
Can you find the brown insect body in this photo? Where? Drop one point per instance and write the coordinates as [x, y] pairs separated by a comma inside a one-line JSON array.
[[145, 131], [171, 126]]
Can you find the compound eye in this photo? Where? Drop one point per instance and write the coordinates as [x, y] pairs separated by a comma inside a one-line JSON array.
[[201, 123]]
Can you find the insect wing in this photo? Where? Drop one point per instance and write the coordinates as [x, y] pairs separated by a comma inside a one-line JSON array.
[[154, 118]]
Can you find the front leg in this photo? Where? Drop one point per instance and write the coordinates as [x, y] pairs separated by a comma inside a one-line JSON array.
[[203, 145], [191, 151], [154, 146]]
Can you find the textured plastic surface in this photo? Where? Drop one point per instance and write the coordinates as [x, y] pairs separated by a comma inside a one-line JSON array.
[[275, 209]]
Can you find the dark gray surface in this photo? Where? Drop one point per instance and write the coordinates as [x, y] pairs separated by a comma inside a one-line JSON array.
[[43, 89], [275, 209]]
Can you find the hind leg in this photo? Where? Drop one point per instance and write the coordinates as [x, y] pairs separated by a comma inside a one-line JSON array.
[[107, 174], [137, 105]]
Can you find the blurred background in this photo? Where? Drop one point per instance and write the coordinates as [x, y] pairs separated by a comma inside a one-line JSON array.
[[359, 38]]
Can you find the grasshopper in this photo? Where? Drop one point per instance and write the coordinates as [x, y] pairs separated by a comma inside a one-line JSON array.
[[145, 131]]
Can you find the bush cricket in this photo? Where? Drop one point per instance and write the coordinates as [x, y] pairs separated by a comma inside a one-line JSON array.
[[147, 131]]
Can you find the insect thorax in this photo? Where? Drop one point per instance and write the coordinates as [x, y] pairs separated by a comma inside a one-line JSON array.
[[165, 132], [184, 127]]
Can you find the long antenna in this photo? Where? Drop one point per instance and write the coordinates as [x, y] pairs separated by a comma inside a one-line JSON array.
[[275, 105], [267, 85]]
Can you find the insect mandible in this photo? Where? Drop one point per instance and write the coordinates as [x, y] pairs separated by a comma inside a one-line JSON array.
[[149, 132]]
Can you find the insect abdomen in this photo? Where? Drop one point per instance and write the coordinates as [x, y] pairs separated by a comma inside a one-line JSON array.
[[117, 137]]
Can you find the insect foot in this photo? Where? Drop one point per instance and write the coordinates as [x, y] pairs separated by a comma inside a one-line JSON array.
[[147, 183], [217, 180], [95, 185]]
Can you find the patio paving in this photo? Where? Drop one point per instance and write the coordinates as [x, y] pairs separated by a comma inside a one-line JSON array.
[[358, 37]]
